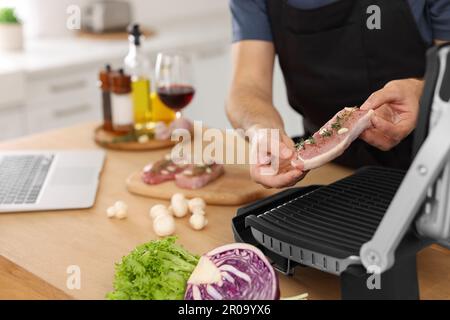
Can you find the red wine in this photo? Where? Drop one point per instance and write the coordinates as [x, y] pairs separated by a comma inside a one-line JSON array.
[[176, 96]]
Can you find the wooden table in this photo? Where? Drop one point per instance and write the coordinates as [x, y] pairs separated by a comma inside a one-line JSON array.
[[37, 248]]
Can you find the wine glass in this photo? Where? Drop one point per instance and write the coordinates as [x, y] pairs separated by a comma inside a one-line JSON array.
[[174, 81]]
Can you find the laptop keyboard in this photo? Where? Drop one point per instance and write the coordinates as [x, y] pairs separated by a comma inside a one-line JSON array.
[[22, 178]]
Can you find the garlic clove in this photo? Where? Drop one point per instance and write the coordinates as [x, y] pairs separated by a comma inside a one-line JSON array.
[[143, 139]]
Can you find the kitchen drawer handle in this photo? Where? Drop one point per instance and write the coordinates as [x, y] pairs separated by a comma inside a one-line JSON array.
[[62, 113], [58, 88]]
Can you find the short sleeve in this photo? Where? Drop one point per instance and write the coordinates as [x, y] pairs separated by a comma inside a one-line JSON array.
[[250, 20], [439, 14]]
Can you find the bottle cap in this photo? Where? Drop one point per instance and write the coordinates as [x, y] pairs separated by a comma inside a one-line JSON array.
[[105, 78], [135, 34]]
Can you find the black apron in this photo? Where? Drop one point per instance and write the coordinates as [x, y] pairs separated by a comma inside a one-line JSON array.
[[330, 60]]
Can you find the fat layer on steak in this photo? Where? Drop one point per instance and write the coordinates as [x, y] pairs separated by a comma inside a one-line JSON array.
[[334, 138], [160, 171]]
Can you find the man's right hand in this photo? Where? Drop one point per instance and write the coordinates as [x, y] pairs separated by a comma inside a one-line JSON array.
[[272, 157]]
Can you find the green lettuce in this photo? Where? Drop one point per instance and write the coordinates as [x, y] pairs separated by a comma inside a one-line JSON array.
[[157, 270]]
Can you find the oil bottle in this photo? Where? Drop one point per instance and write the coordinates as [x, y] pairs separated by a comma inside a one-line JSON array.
[[139, 67], [160, 111]]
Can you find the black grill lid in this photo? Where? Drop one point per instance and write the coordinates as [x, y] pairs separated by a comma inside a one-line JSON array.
[[334, 220]]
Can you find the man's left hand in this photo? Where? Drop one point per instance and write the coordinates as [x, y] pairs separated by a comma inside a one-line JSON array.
[[396, 111]]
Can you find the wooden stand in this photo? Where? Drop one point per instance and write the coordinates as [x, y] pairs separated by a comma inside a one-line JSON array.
[[106, 139]]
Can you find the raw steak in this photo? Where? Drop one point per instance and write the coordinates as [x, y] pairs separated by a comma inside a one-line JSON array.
[[160, 171], [196, 177], [333, 138]]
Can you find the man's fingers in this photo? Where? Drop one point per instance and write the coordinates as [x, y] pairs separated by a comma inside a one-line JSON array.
[[297, 164], [285, 152], [377, 139], [396, 131], [289, 147], [271, 145], [380, 97], [278, 181]]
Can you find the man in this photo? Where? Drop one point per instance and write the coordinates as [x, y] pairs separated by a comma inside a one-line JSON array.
[[334, 54]]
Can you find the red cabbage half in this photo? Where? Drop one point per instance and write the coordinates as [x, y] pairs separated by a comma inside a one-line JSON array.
[[233, 272]]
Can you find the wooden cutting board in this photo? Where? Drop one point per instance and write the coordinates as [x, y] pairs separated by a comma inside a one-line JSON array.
[[234, 188]]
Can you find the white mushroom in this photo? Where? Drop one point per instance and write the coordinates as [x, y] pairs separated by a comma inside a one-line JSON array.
[[199, 211], [177, 197], [111, 212], [179, 205], [196, 203], [119, 210], [121, 205], [198, 221], [157, 210], [164, 225], [180, 208], [121, 214]]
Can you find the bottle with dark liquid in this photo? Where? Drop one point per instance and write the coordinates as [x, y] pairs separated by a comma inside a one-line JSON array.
[[105, 85]]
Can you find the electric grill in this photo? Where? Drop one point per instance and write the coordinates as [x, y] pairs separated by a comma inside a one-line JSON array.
[[373, 222]]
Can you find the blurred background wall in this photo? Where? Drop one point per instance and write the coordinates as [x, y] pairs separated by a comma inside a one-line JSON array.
[[55, 57]]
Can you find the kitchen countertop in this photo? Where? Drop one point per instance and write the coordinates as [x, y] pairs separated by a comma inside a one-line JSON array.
[[51, 54], [37, 248]]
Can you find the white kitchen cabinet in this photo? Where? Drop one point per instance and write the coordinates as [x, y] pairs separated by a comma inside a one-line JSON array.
[[62, 100], [66, 110], [56, 87], [12, 122]]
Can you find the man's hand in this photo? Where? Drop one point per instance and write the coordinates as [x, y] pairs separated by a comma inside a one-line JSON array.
[[273, 157], [396, 111]]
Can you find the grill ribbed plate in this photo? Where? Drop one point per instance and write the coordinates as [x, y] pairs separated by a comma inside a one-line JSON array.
[[334, 220]]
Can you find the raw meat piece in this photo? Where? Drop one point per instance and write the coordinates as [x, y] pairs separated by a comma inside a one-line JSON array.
[[333, 138], [160, 171], [196, 177]]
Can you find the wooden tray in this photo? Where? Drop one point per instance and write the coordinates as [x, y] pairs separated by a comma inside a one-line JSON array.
[[105, 139], [234, 188]]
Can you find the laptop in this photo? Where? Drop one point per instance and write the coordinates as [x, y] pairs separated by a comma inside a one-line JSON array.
[[49, 180]]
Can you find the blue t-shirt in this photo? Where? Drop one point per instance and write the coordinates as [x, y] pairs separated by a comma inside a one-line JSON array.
[[251, 22]]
